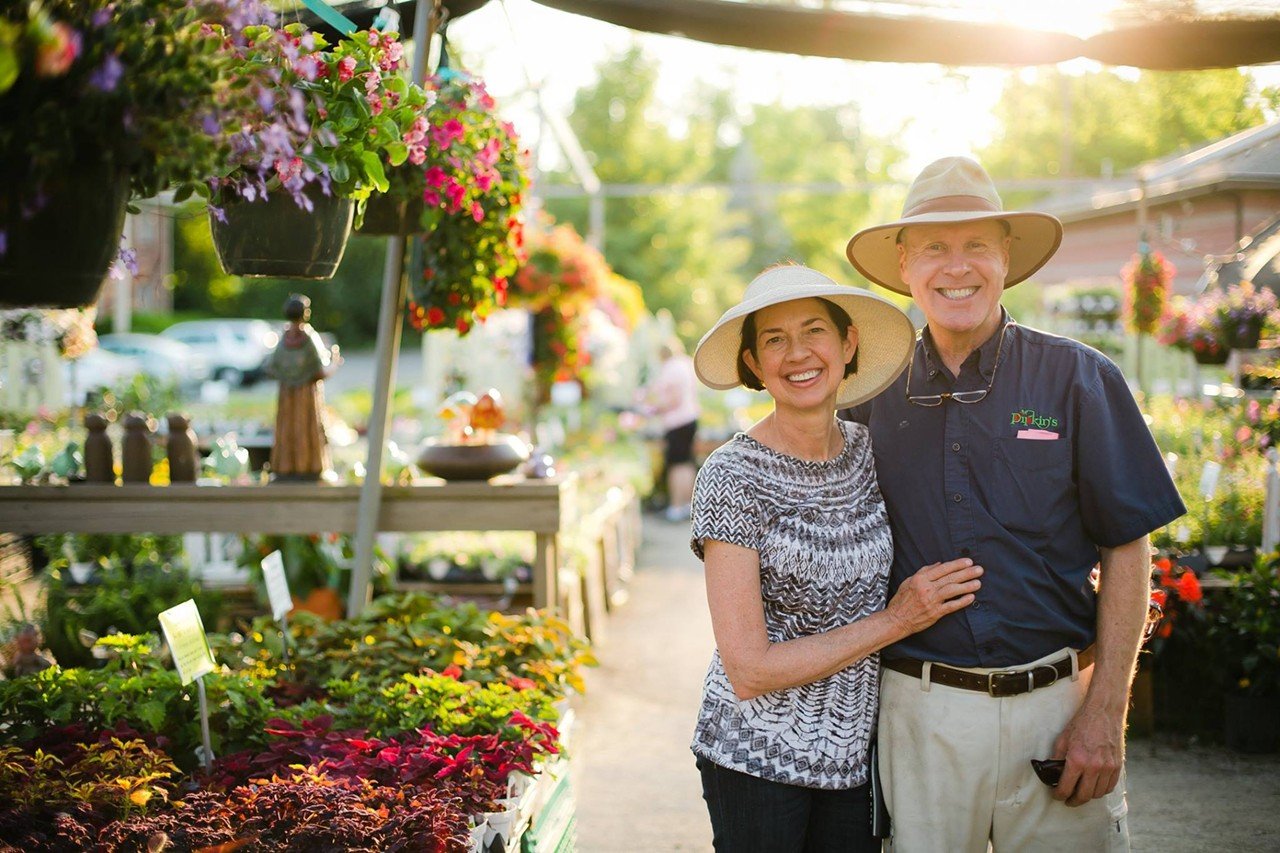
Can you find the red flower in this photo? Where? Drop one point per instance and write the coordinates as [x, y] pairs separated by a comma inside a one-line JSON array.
[[346, 68], [518, 683], [1159, 596], [453, 671], [435, 316], [1189, 588]]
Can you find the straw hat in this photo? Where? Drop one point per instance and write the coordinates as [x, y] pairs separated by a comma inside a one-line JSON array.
[[886, 337], [955, 189]]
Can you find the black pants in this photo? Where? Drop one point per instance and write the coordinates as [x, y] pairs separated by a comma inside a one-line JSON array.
[[754, 815]]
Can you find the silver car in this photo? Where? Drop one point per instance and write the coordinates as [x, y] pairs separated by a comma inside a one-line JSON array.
[[234, 349]]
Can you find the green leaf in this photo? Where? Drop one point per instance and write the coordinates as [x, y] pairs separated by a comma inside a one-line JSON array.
[[397, 152], [341, 174], [152, 713], [373, 170]]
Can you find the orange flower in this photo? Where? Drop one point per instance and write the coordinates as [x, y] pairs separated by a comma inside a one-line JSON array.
[[1189, 588]]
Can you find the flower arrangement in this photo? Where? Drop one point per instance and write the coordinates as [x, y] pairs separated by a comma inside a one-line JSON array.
[[71, 329], [1194, 327], [1243, 312], [468, 180], [561, 279], [1146, 287], [134, 84], [328, 118]]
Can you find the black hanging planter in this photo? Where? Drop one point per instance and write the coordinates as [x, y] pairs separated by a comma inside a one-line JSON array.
[[275, 238], [59, 256], [1245, 335], [1218, 356], [386, 215]]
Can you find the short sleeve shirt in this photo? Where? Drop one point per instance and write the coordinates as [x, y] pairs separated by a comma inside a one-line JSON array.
[[1055, 462], [823, 538]]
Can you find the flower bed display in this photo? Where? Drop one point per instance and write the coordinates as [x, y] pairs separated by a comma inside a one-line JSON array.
[[400, 730]]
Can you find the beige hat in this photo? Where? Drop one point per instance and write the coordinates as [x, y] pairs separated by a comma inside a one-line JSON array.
[[955, 189], [886, 337]]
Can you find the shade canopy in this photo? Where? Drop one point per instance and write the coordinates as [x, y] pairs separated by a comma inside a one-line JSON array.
[[1157, 40]]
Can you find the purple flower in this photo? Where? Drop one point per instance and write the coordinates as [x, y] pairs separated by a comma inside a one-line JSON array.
[[102, 17], [106, 77], [218, 213], [126, 260]]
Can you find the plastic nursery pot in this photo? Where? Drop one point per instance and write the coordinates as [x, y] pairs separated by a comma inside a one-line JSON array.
[[275, 238], [386, 215], [59, 256]]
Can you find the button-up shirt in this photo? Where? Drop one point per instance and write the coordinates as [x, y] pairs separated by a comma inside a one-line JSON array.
[[1055, 462]]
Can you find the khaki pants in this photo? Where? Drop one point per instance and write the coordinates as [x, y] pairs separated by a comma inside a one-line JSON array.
[[956, 768]]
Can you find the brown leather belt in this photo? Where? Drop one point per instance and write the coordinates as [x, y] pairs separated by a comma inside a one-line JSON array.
[[1010, 682]]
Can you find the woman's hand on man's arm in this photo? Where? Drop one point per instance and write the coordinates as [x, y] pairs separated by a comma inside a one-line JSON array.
[[755, 666]]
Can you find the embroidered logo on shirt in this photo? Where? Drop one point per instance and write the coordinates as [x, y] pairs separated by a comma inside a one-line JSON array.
[[1039, 426], [1030, 418]]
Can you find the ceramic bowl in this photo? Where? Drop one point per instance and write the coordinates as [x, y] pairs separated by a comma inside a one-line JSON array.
[[472, 461]]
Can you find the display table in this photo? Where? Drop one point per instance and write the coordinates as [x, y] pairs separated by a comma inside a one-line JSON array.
[[540, 507]]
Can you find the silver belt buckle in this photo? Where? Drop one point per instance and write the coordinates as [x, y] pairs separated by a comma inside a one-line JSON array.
[[992, 681]]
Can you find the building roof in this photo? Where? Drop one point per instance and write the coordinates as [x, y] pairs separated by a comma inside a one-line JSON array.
[[1257, 259], [1247, 160]]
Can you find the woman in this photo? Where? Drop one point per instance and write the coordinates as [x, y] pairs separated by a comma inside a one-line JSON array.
[[792, 529], [300, 362], [674, 398]]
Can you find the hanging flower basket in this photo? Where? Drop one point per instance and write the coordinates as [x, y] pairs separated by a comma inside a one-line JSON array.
[[277, 238], [59, 255], [386, 215], [1212, 356]]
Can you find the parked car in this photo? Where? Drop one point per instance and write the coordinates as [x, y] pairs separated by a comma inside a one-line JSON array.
[[96, 371], [234, 349], [165, 359]]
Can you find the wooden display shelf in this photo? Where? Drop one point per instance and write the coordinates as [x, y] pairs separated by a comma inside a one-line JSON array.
[[541, 507]]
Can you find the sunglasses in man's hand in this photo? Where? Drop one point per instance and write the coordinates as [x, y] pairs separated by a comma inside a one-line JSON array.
[[1049, 771]]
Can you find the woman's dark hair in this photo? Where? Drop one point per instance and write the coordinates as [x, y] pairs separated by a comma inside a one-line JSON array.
[[839, 318], [297, 307]]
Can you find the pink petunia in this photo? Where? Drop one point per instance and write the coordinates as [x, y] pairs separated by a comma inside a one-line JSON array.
[[445, 134], [477, 212], [436, 176], [488, 155], [417, 154], [431, 198], [484, 180]]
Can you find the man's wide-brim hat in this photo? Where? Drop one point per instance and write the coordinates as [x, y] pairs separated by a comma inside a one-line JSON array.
[[886, 337], [955, 189]]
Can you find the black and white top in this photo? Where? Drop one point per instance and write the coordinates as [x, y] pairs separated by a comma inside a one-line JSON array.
[[825, 548]]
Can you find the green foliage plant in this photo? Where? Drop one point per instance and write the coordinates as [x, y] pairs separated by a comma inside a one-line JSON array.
[[142, 85], [1247, 629], [329, 117]]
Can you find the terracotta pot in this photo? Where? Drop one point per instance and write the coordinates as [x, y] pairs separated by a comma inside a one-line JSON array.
[[59, 257], [323, 601], [276, 238]]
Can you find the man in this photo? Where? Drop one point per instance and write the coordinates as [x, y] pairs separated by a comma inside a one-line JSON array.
[[1027, 453]]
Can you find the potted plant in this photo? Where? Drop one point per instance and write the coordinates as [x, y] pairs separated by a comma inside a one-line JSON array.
[[102, 101], [1196, 328], [312, 151], [1146, 278], [1243, 312], [1248, 630], [462, 189]]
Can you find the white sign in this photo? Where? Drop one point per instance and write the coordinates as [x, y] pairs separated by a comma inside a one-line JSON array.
[[184, 632], [277, 585], [1209, 479]]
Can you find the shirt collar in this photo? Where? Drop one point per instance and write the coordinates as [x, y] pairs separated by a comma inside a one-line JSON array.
[[986, 353]]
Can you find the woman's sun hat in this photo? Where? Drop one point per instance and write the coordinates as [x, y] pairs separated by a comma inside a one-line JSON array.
[[886, 337], [955, 189]]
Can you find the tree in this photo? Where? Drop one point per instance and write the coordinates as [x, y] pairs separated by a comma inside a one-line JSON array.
[[1056, 125], [679, 247]]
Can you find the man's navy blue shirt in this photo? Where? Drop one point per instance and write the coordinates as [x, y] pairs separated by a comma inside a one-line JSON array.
[[1053, 463]]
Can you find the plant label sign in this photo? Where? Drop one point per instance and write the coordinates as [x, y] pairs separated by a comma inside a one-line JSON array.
[[184, 632], [1209, 479], [277, 585]]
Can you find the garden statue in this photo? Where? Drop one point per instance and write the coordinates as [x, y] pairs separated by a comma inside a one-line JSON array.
[[24, 657], [99, 456], [184, 460], [300, 451], [136, 463]]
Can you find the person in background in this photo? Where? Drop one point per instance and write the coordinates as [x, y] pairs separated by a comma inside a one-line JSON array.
[[301, 363], [673, 397], [1004, 724], [792, 530]]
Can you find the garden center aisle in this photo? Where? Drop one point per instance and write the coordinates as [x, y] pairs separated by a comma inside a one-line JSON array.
[[637, 789], [636, 784]]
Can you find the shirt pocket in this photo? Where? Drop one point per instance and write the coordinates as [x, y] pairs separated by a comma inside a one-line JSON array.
[[1034, 492]]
